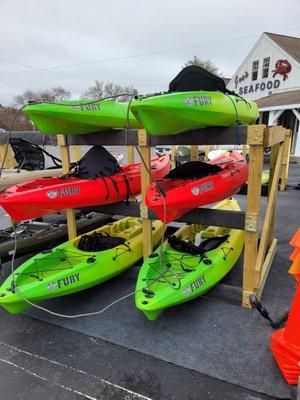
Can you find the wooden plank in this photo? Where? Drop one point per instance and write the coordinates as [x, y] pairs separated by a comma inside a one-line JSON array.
[[276, 134], [174, 153], [256, 156], [66, 163], [10, 161], [286, 160], [206, 153], [32, 136], [76, 153], [205, 216], [130, 154], [255, 134], [209, 136], [273, 160], [268, 224], [194, 153], [116, 137], [266, 268], [145, 181]]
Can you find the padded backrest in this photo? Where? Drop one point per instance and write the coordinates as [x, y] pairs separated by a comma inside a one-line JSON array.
[[194, 78], [27, 155]]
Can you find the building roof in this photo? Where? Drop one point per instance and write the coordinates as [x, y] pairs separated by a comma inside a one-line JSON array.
[[288, 43], [279, 99]]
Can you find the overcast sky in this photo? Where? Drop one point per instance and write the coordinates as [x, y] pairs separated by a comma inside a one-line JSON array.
[[54, 35]]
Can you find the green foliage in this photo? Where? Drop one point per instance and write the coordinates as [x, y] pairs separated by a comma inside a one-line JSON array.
[[206, 64]]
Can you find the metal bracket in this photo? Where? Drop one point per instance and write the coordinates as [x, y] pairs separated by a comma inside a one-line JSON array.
[[144, 211], [251, 222]]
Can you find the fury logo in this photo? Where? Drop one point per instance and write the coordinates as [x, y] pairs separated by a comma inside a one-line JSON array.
[[68, 280], [194, 285], [202, 188]]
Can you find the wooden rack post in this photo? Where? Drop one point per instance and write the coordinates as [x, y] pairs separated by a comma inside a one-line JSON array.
[[174, 152], [286, 160], [145, 181], [10, 161], [130, 154], [255, 138], [194, 153], [66, 164]]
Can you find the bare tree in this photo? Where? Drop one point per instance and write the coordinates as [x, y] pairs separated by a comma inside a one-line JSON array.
[[101, 90], [50, 95], [94, 92], [21, 123], [206, 64]]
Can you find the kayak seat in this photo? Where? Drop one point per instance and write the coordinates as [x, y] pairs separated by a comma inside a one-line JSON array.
[[193, 169], [30, 156], [190, 248], [131, 232], [99, 242]]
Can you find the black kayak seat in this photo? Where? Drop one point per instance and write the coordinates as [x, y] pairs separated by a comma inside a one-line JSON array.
[[193, 78], [190, 248], [30, 156], [99, 242], [193, 169]]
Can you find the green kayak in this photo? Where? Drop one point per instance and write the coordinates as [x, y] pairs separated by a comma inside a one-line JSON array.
[[77, 116], [187, 270], [265, 176], [77, 264], [177, 112]]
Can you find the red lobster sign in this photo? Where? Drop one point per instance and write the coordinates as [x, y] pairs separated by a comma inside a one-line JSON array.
[[282, 67]]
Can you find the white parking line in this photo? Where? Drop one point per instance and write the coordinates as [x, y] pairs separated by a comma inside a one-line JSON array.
[[104, 381]]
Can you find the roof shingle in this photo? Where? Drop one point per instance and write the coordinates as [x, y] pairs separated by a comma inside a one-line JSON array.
[[279, 99], [289, 43]]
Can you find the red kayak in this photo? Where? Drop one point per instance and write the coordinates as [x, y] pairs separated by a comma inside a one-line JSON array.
[[195, 184], [49, 195]]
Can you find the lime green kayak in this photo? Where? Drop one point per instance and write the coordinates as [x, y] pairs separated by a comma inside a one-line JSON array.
[[177, 112], [180, 276], [79, 117], [65, 269], [265, 176]]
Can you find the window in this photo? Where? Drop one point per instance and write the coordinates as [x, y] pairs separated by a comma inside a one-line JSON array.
[[266, 64], [255, 70]]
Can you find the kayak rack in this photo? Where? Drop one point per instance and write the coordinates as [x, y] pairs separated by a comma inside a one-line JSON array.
[[258, 254]]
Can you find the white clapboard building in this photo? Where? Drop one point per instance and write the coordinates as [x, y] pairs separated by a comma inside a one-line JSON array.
[[270, 75]]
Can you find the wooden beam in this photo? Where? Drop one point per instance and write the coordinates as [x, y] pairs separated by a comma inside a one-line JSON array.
[[266, 268], [276, 134], [145, 181], [174, 153], [130, 154], [194, 153], [114, 137], [203, 216], [76, 153], [209, 136], [273, 160], [256, 155], [66, 163], [268, 225], [10, 161], [286, 160]]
